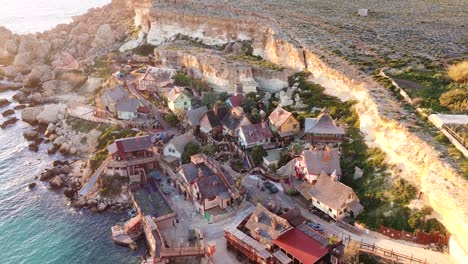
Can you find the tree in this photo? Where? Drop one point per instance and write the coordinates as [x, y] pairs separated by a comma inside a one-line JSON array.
[[248, 104], [255, 116], [223, 96], [285, 157], [402, 192], [182, 79], [172, 119], [257, 154], [209, 99], [190, 149], [351, 253], [209, 150]]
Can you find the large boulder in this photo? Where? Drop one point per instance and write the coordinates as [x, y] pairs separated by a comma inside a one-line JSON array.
[[11, 47], [30, 135], [4, 102], [51, 113], [23, 59], [21, 97], [10, 86], [101, 207], [50, 130], [9, 121], [9, 71], [56, 183], [39, 74], [105, 36], [30, 114], [64, 148], [59, 141], [8, 112]]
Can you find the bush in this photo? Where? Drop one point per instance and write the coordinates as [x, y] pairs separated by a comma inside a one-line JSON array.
[[172, 119], [455, 100], [459, 72], [182, 79], [144, 50], [257, 155], [112, 185], [190, 149], [402, 192]]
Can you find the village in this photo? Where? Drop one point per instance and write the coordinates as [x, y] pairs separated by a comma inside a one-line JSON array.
[[222, 177]]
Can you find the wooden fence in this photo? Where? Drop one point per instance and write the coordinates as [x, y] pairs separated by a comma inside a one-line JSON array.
[[384, 253], [419, 237]]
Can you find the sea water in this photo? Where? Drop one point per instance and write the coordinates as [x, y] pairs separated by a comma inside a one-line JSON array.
[[37, 226]]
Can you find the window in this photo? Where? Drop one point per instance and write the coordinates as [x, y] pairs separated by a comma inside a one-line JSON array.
[[318, 202], [329, 209]]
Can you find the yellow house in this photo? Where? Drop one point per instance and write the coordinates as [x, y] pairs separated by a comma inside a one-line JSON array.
[[284, 122], [178, 99]]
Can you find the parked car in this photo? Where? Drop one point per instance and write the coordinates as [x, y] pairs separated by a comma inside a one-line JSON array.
[[315, 226], [271, 187]]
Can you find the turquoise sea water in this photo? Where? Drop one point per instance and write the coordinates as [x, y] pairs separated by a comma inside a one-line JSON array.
[[37, 226]]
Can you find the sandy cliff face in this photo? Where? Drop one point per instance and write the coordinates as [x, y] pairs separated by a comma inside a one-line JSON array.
[[383, 120]]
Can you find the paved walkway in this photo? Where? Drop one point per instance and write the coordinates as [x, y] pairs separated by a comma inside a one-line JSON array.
[[92, 181]]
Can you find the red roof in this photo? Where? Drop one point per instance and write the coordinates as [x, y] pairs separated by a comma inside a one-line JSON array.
[[143, 109], [303, 247], [236, 100]]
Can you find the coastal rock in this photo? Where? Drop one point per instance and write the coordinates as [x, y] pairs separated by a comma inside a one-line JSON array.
[[38, 74], [10, 121], [56, 183], [47, 175], [9, 86], [72, 151], [105, 36], [23, 60], [32, 185], [30, 114], [69, 192], [5, 34], [9, 71], [59, 141], [101, 207], [64, 148], [65, 169], [21, 97], [11, 47], [52, 149], [50, 130], [4, 102], [50, 113], [33, 146], [19, 78], [20, 107], [30, 135]]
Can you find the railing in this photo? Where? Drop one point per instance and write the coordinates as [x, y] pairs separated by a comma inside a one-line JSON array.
[[132, 162], [183, 251], [384, 253]]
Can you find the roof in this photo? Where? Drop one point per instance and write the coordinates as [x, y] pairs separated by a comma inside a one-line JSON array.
[[356, 207], [257, 246], [115, 93], [281, 257], [231, 121], [236, 100], [327, 160], [175, 93], [256, 132], [191, 171], [265, 226], [323, 124], [440, 119], [313, 234], [125, 145], [329, 192], [210, 186], [143, 109], [301, 246], [279, 116], [158, 74], [179, 142], [294, 217], [127, 105], [194, 115]]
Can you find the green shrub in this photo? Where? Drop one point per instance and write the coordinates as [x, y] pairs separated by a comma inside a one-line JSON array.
[[172, 119], [182, 79], [190, 149]]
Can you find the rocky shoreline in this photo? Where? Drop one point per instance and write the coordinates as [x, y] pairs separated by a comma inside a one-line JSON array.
[[45, 70]]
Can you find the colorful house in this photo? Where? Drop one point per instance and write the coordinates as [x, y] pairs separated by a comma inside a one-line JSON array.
[[253, 135], [284, 122], [235, 100], [313, 162], [323, 129], [117, 101], [178, 99], [332, 197]]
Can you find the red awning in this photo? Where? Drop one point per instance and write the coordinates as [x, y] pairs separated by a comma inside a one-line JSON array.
[[301, 246]]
